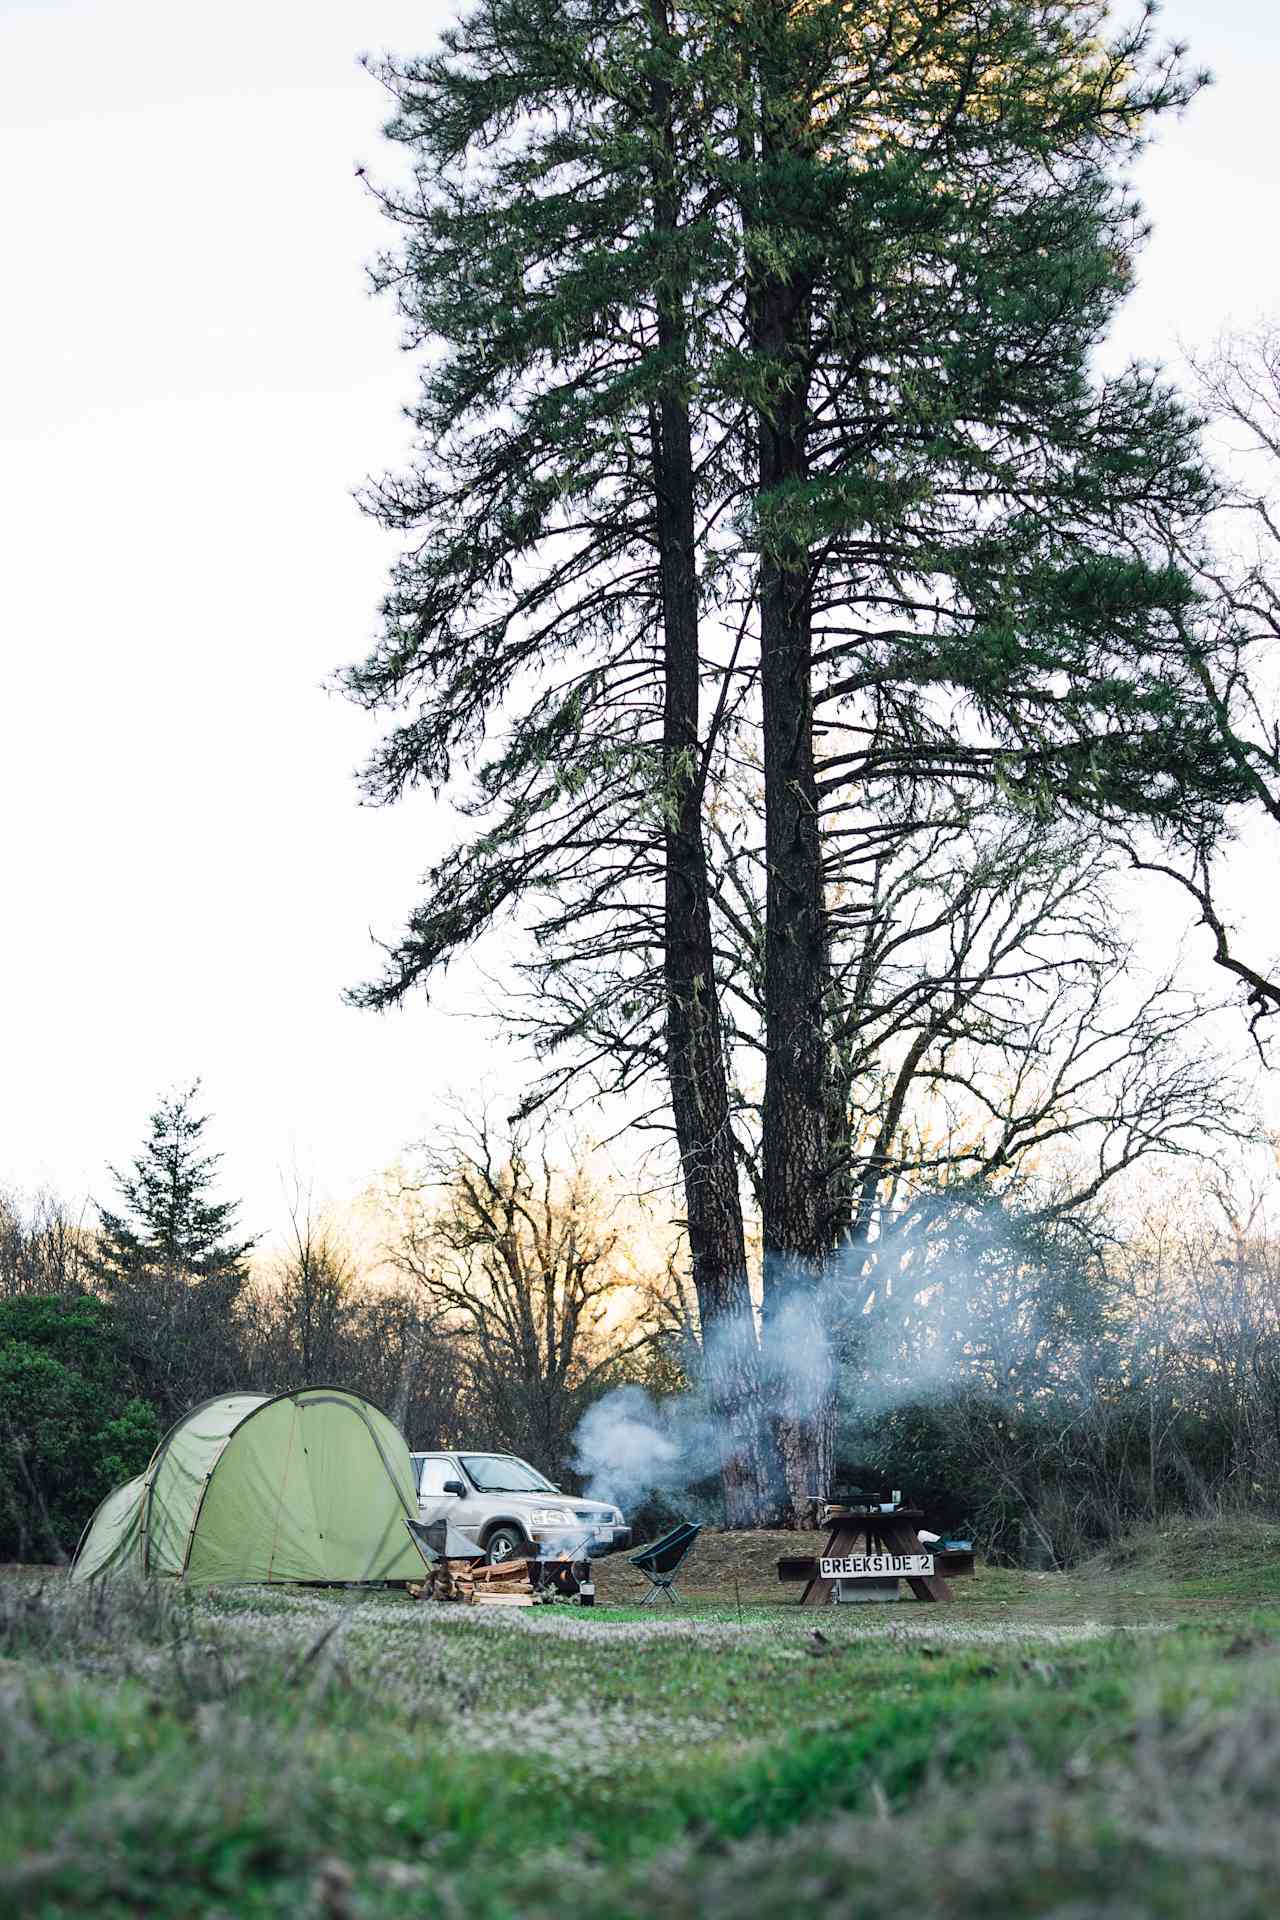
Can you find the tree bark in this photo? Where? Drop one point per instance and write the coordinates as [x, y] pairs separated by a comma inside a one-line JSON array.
[[694, 1034], [796, 1205]]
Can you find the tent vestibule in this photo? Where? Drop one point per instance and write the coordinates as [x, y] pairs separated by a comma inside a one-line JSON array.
[[308, 1486]]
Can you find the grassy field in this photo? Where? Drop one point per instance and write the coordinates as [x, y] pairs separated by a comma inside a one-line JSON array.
[[1100, 1743]]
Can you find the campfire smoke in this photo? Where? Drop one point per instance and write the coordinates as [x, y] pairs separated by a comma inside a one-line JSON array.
[[628, 1446], [911, 1331]]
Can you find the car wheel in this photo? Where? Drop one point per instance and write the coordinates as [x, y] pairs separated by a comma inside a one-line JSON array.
[[506, 1542]]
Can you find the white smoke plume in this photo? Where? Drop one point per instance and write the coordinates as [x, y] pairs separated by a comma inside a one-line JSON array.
[[629, 1446], [935, 1324]]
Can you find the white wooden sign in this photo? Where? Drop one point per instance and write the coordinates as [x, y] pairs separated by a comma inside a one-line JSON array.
[[876, 1566]]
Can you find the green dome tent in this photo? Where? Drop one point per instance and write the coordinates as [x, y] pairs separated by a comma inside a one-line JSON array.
[[312, 1486]]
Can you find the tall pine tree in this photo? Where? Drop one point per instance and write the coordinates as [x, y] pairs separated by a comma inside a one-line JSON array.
[[555, 600], [759, 419], [953, 581]]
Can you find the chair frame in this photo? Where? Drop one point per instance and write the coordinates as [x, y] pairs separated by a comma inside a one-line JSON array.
[[660, 1583]]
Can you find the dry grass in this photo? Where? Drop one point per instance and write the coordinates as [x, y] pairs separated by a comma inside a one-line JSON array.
[[1187, 1548]]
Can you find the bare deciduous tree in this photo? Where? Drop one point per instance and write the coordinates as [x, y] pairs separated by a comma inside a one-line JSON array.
[[1231, 640], [44, 1246], [316, 1277], [520, 1260]]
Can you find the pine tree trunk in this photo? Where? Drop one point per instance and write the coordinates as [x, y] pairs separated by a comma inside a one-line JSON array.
[[694, 1034], [795, 1151]]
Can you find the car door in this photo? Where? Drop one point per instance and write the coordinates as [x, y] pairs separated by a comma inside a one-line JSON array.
[[433, 1502], [468, 1512]]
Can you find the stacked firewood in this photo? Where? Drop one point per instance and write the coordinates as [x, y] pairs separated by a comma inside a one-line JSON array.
[[453, 1581], [507, 1585], [447, 1580]]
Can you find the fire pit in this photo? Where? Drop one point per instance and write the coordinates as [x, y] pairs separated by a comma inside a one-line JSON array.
[[563, 1576]]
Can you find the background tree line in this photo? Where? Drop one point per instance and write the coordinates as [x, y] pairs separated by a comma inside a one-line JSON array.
[[497, 1302], [1052, 1387], [1044, 1370]]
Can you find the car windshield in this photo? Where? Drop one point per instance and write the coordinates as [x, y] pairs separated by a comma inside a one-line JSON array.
[[503, 1473]]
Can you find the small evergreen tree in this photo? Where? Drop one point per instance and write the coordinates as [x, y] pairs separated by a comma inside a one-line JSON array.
[[171, 1263], [173, 1220]]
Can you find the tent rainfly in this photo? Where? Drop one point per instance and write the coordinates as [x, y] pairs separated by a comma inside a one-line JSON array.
[[308, 1486]]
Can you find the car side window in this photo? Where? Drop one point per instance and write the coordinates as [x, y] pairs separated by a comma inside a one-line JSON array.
[[433, 1475]]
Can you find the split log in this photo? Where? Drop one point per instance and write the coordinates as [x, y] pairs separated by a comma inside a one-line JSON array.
[[452, 1581], [504, 1570]]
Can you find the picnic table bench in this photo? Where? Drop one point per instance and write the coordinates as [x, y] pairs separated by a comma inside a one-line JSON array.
[[889, 1543]]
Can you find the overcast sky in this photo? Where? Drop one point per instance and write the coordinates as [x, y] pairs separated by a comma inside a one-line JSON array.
[[192, 380]]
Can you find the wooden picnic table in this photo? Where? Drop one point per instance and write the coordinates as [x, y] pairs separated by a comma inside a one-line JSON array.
[[862, 1530]]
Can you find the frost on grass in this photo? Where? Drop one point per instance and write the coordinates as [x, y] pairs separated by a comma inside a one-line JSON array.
[[781, 1635], [469, 1674], [83, 1624]]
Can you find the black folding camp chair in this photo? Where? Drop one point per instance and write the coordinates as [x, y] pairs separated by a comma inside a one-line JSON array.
[[431, 1555], [661, 1562], [437, 1540]]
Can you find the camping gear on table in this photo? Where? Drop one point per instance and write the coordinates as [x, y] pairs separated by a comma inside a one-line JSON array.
[[312, 1486], [660, 1562]]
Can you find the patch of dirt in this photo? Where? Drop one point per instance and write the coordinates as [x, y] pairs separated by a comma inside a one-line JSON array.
[[717, 1560]]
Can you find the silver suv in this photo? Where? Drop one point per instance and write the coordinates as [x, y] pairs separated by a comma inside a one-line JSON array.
[[506, 1506]]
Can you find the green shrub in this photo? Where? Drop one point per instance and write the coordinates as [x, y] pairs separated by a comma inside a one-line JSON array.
[[71, 1426]]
